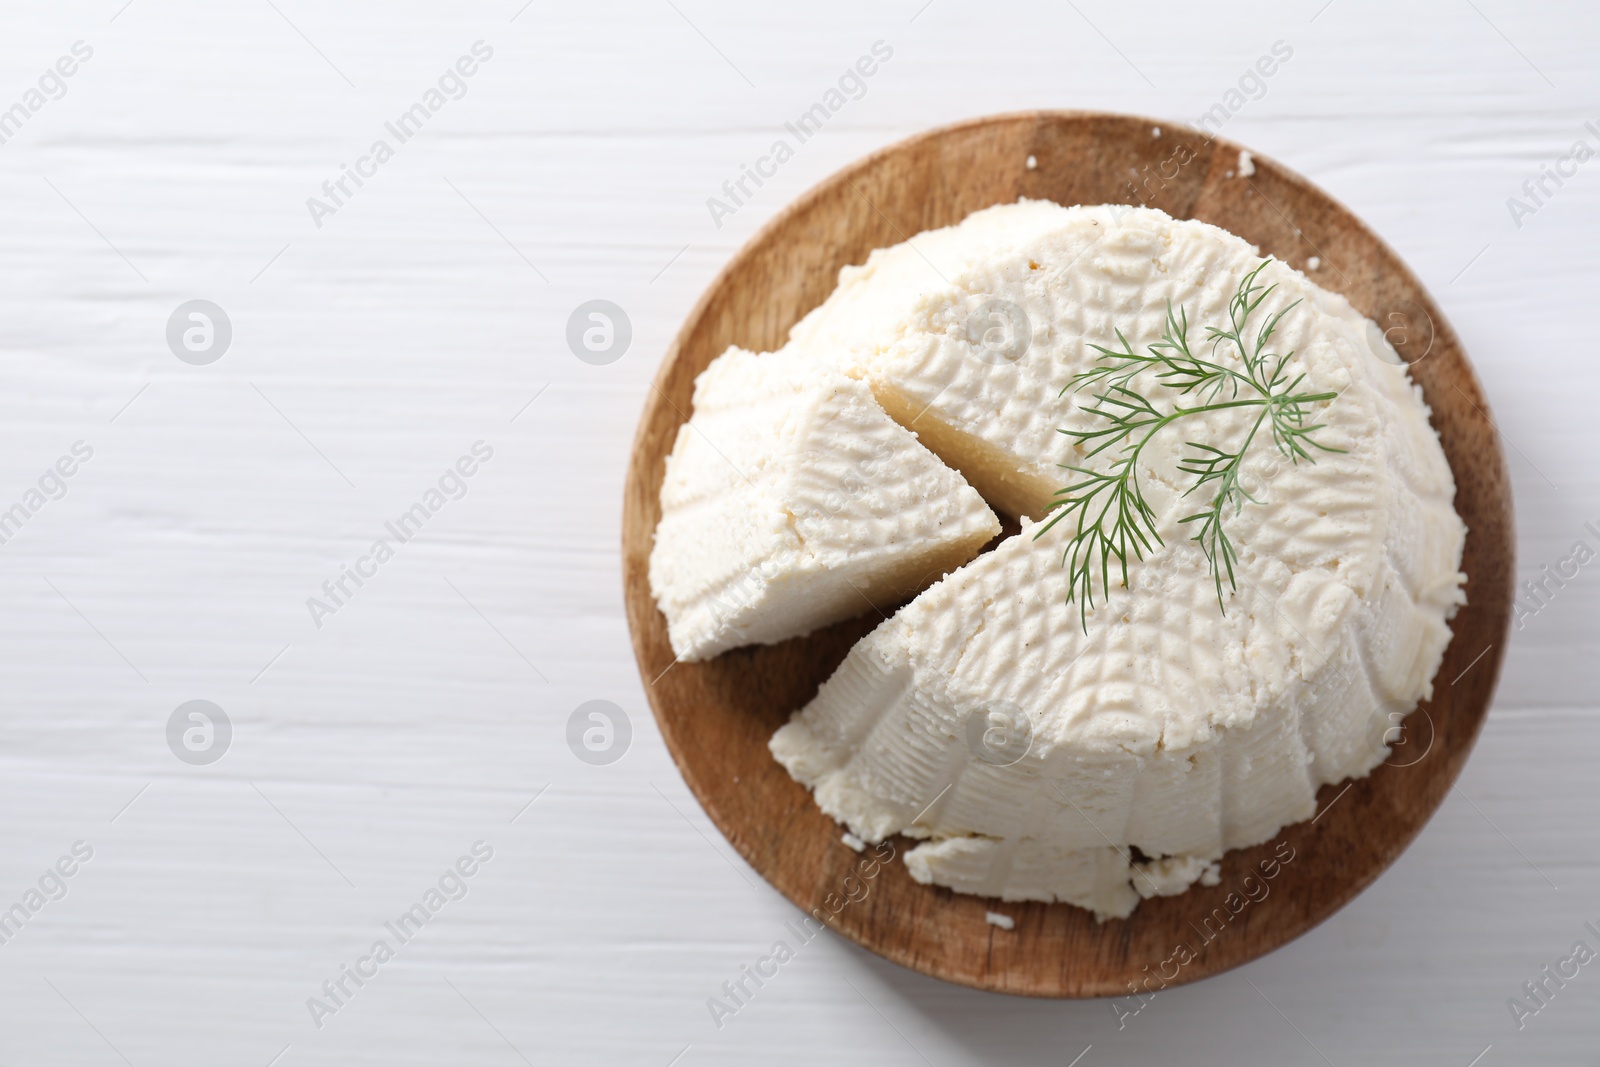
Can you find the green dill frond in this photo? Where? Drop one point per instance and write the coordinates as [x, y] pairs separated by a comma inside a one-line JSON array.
[[1113, 520]]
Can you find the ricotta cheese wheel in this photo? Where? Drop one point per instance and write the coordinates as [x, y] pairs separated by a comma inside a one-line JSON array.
[[791, 501], [1046, 750]]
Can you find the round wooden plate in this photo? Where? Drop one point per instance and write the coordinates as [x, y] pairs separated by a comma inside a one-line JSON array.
[[717, 716]]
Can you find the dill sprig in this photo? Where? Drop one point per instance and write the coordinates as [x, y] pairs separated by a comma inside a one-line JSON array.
[[1114, 518]]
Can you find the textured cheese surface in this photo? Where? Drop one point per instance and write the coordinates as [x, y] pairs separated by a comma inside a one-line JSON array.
[[1164, 722], [915, 320], [792, 501]]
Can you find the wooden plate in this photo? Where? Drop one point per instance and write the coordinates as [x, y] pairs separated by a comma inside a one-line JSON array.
[[717, 716]]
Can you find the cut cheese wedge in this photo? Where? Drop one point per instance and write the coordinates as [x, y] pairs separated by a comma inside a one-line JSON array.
[[792, 501], [1099, 757]]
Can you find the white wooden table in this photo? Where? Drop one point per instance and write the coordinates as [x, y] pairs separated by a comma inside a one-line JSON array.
[[428, 312]]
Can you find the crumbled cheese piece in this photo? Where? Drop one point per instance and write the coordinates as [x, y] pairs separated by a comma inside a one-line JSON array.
[[1171, 875], [1165, 724], [1314, 263], [1155, 132], [1004, 922], [1032, 163], [852, 841], [1247, 164], [792, 501]]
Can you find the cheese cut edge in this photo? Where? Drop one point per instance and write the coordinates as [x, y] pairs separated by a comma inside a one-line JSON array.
[[791, 501]]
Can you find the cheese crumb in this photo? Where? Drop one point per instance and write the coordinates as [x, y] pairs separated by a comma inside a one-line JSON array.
[[1314, 263], [1032, 163], [1156, 132], [1004, 922], [854, 842], [1247, 164], [1171, 875]]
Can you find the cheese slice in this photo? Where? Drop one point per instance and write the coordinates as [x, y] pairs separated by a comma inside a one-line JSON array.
[[791, 501], [1034, 747]]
